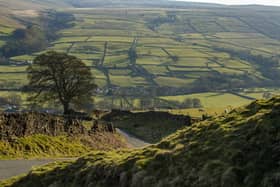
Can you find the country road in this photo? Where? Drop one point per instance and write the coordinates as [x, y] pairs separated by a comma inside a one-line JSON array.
[[131, 140], [11, 168]]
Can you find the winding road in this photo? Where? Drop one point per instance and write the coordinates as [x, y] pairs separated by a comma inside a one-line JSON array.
[[11, 168], [132, 141]]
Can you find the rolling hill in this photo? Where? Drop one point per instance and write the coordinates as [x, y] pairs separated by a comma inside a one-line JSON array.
[[235, 150], [180, 49], [15, 13]]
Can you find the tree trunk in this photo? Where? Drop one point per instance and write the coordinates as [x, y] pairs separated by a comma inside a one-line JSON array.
[[66, 108]]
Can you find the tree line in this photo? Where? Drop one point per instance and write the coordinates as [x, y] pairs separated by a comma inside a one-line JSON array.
[[156, 22], [147, 103]]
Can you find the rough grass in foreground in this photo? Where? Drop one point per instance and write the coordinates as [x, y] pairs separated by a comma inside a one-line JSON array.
[[240, 149], [43, 146]]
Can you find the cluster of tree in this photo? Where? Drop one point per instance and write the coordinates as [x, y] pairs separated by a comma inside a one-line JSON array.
[[150, 103], [191, 103], [34, 38], [25, 41], [52, 21], [156, 22]]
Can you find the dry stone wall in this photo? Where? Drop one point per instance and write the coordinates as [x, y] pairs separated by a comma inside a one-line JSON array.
[[26, 124]]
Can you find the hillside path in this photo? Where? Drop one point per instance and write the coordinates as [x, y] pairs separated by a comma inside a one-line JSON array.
[[131, 140]]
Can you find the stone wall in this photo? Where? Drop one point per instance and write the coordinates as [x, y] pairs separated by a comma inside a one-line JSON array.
[[25, 124], [150, 115]]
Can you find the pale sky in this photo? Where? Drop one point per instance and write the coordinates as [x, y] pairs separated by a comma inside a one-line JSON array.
[[240, 2]]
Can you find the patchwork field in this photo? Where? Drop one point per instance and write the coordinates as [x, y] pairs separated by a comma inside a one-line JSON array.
[[175, 48]]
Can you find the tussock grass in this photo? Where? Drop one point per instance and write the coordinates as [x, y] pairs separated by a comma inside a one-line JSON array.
[[43, 146]]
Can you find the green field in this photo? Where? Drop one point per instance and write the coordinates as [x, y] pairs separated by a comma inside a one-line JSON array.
[[156, 47], [176, 48], [209, 100]]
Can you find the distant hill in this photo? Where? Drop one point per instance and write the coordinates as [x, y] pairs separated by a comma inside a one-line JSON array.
[[43, 4], [140, 51], [14, 12], [32, 4], [235, 150], [133, 3]]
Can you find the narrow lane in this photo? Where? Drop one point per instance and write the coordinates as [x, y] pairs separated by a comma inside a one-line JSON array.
[[11, 168], [131, 140]]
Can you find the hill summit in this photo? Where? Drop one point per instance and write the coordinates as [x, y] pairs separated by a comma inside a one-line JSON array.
[[238, 149]]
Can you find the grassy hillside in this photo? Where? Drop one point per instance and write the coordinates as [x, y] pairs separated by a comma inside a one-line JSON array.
[[33, 4], [211, 49], [135, 3], [43, 146], [14, 13], [236, 150]]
